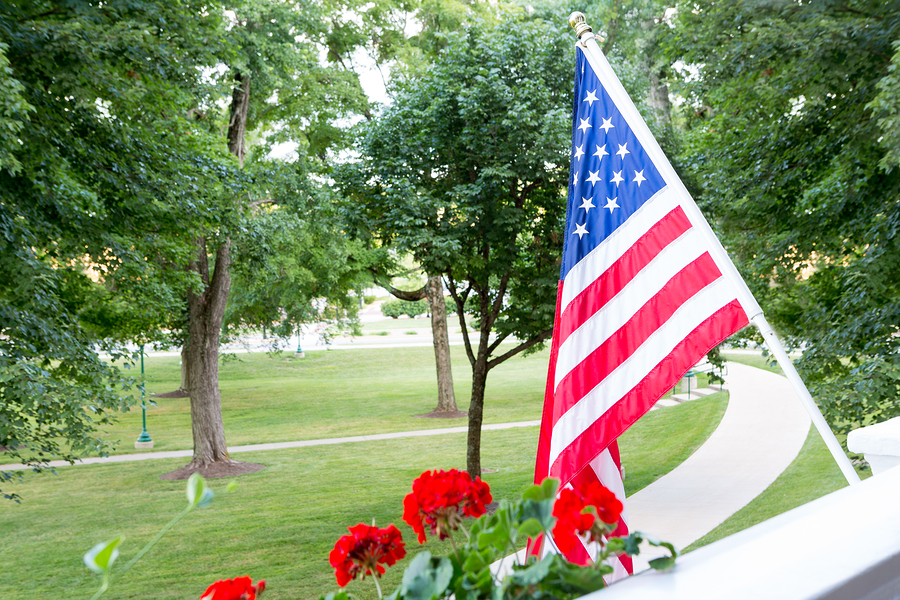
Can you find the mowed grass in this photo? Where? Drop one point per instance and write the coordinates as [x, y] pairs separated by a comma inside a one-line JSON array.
[[279, 524], [335, 393]]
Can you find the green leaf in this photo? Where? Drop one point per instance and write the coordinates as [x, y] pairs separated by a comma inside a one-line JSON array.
[[546, 491], [198, 494], [426, 578], [100, 558], [533, 574]]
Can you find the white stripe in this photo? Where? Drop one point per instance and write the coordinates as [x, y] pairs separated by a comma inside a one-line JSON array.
[[612, 248], [627, 375], [616, 313]]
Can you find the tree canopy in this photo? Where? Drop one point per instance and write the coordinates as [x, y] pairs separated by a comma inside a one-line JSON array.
[[102, 172], [791, 148], [467, 171]]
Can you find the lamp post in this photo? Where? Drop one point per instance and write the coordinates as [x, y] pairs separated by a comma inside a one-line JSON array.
[[299, 353], [144, 440]]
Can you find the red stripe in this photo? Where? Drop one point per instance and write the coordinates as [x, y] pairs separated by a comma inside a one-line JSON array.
[[660, 379], [607, 285], [587, 374], [584, 477], [542, 463]]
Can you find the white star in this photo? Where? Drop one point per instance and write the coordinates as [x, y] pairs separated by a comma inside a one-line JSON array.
[[607, 125], [594, 176], [586, 204], [601, 152], [591, 97], [580, 230], [611, 204], [579, 152], [617, 177], [575, 179], [623, 150], [639, 177], [584, 125]]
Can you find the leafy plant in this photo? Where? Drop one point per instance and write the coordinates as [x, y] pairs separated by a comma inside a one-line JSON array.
[[439, 502], [101, 557]]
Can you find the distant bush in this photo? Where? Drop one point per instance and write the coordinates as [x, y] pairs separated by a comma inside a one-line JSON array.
[[395, 308], [369, 299]]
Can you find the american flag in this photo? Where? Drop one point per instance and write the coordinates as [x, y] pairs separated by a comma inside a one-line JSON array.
[[641, 297]]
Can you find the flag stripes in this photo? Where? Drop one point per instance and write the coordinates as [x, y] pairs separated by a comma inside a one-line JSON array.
[[642, 296]]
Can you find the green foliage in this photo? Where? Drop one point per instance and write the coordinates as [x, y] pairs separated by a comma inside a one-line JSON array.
[[466, 573], [466, 171], [792, 128], [101, 557], [398, 308], [103, 181]]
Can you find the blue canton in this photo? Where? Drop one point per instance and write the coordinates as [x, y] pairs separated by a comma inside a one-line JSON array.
[[610, 176]]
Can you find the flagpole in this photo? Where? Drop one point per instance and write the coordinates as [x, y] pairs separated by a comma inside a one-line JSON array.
[[595, 56], [784, 361]]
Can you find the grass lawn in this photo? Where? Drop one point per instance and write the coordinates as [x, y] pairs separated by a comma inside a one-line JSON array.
[[280, 523], [333, 393]]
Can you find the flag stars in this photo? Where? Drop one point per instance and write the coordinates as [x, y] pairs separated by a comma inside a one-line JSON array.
[[579, 152], [575, 179], [594, 176], [586, 204], [623, 150], [611, 204], [607, 125], [591, 98], [617, 177], [585, 125], [601, 152], [580, 230], [639, 177]]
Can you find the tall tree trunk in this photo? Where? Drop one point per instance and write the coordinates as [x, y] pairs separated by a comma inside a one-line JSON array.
[[237, 127], [185, 371], [657, 69], [206, 310], [434, 291], [476, 413]]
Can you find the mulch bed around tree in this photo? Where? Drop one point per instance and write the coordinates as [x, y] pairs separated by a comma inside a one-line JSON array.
[[216, 470], [449, 414]]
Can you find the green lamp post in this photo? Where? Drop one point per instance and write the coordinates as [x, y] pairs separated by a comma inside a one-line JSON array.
[[144, 440]]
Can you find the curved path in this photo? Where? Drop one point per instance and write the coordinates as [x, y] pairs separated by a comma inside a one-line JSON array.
[[761, 433]]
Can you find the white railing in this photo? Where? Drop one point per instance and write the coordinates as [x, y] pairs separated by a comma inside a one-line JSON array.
[[843, 546]]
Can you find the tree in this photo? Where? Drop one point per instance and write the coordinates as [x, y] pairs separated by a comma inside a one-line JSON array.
[[790, 147], [433, 292], [103, 175], [280, 90], [466, 171]]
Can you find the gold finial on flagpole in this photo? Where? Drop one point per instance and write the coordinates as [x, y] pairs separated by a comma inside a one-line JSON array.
[[577, 22]]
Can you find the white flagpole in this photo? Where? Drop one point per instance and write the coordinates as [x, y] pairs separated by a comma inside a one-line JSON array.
[[784, 361], [755, 314]]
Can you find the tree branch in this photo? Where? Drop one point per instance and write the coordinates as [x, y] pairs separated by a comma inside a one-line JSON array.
[[521, 347], [256, 203], [461, 314]]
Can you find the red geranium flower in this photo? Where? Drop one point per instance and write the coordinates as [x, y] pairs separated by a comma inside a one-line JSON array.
[[577, 512], [239, 588], [440, 499], [364, 551]]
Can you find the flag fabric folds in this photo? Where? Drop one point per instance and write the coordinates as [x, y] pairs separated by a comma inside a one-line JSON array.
[[642, 296]]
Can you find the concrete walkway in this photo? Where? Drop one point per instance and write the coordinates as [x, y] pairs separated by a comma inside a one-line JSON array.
[[761, 433], [118, 458]]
